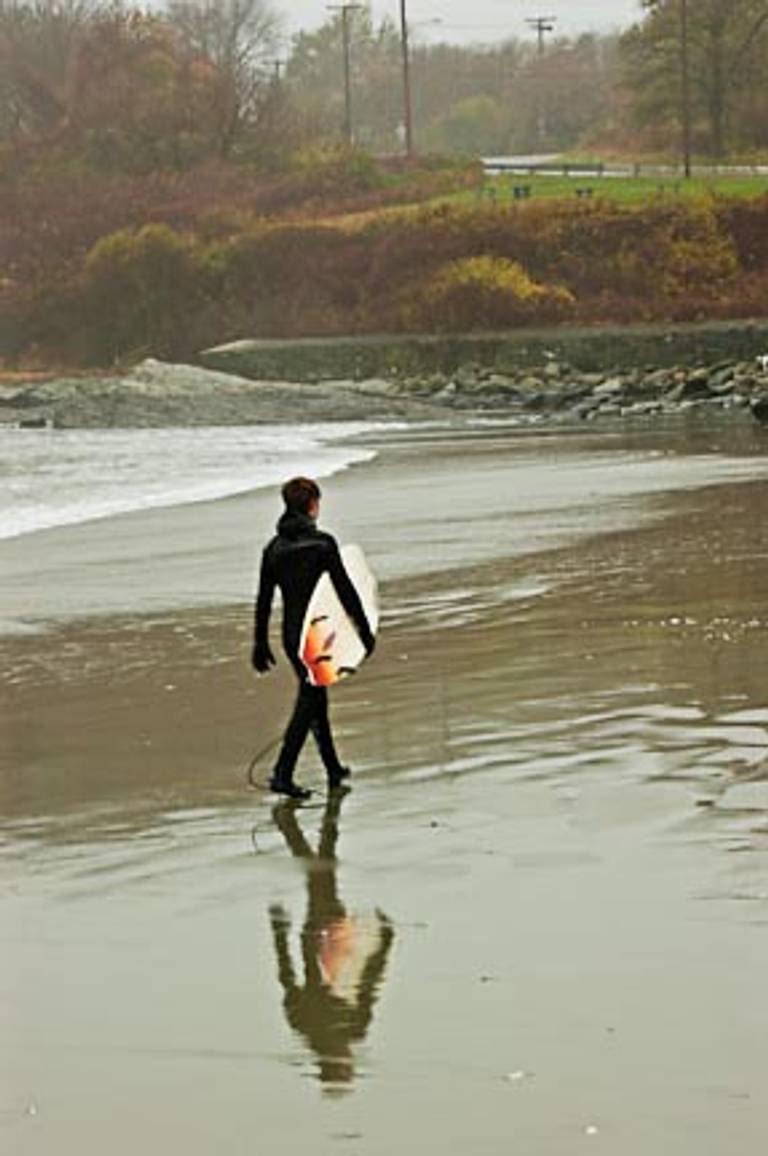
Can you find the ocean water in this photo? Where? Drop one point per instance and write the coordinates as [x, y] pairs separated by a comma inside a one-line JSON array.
[[54, 478]]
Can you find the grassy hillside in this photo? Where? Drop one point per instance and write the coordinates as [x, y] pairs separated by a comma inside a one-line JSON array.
[[166, 267], [623, 190]]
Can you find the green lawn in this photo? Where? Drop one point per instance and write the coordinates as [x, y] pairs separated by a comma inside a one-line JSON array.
[[623, 189]]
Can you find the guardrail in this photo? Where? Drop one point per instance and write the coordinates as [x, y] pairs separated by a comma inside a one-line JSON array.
[[565, 169], [523, 167]]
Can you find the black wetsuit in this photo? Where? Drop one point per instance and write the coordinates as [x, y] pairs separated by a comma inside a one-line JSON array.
[[294, 561]]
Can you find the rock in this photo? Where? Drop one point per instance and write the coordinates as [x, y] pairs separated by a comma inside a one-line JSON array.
[[759, 407], [500, 383], [610, 388], [658, 380], [576, 391], [531, 384], [691, 389], [584, 410], [553, 370], [721, 377], [536, 400], [642, 408], [35, 421], [468, 375]]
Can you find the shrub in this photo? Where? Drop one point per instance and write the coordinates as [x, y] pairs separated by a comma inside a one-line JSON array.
[[746, 222], [485, 293], [139, 290], [681, 254]]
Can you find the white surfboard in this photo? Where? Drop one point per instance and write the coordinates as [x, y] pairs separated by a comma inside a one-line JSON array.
[[330, 646]]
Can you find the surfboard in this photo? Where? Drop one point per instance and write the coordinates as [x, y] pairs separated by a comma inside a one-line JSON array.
[[330, 646]]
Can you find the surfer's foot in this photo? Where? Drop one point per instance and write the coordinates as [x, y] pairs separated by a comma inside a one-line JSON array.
[[289, 788], [337, 778]]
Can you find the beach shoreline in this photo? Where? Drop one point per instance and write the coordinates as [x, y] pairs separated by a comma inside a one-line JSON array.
[[554, 848]]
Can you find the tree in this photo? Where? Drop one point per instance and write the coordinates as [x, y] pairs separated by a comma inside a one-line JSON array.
[[42, 45], [238, 39], [99, 87], [315, 75], [727, 48]]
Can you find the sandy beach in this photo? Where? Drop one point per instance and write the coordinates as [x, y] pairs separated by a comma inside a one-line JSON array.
[[538, 922]]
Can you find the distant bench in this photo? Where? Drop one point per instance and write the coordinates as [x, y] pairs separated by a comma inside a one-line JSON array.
[[523, 192]]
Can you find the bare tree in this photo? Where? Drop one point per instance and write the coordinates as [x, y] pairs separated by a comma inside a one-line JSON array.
[[237, 38], [41, 57]]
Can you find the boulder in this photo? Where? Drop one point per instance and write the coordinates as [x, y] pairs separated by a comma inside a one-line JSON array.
[[693, 388], [759, 407], [553, 371], [610, 388], [721, 377]]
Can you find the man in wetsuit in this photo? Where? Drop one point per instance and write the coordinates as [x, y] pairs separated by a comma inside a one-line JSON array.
[[294, 560]]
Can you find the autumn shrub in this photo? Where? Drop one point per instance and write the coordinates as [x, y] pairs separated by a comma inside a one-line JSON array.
[[293, 277], [681, 253], [484, 293], [746, 223], [140, 289], [89, 279], [652, 254]]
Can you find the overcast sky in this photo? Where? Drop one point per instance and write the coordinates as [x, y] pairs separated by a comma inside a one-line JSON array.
[[477, 20]]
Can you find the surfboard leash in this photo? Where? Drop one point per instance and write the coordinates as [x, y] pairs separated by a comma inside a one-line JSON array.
[[263, 786], [256, 759]]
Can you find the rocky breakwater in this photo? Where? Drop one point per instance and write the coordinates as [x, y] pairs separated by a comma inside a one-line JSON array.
[[158, 394], [556, 390]]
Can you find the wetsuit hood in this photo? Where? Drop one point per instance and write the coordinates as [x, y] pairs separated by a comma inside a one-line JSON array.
[[293, 525]]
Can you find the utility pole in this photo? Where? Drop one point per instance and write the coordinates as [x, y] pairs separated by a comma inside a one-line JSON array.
[[407, 102], [685, 89], [345, 10], [277, 71], [542, 24]]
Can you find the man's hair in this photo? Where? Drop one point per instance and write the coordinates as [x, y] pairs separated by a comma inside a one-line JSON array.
[[299, 494]]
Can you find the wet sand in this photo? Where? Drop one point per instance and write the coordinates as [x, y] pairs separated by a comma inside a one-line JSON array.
[[538, 922]]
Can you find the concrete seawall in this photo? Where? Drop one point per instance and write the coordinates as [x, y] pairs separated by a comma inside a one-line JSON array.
[[403, 355]]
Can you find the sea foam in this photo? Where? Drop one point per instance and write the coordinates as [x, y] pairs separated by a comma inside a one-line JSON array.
[[51, 478]]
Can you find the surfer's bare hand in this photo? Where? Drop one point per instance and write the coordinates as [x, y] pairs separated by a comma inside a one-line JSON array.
[[262, 658]]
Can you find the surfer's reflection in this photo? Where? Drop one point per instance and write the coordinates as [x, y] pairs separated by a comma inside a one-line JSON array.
[[344, 956]]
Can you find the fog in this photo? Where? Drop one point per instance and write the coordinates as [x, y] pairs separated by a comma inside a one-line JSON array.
[[478, 20]]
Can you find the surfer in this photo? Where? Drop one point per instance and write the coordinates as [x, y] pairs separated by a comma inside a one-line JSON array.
[[294, 560]]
